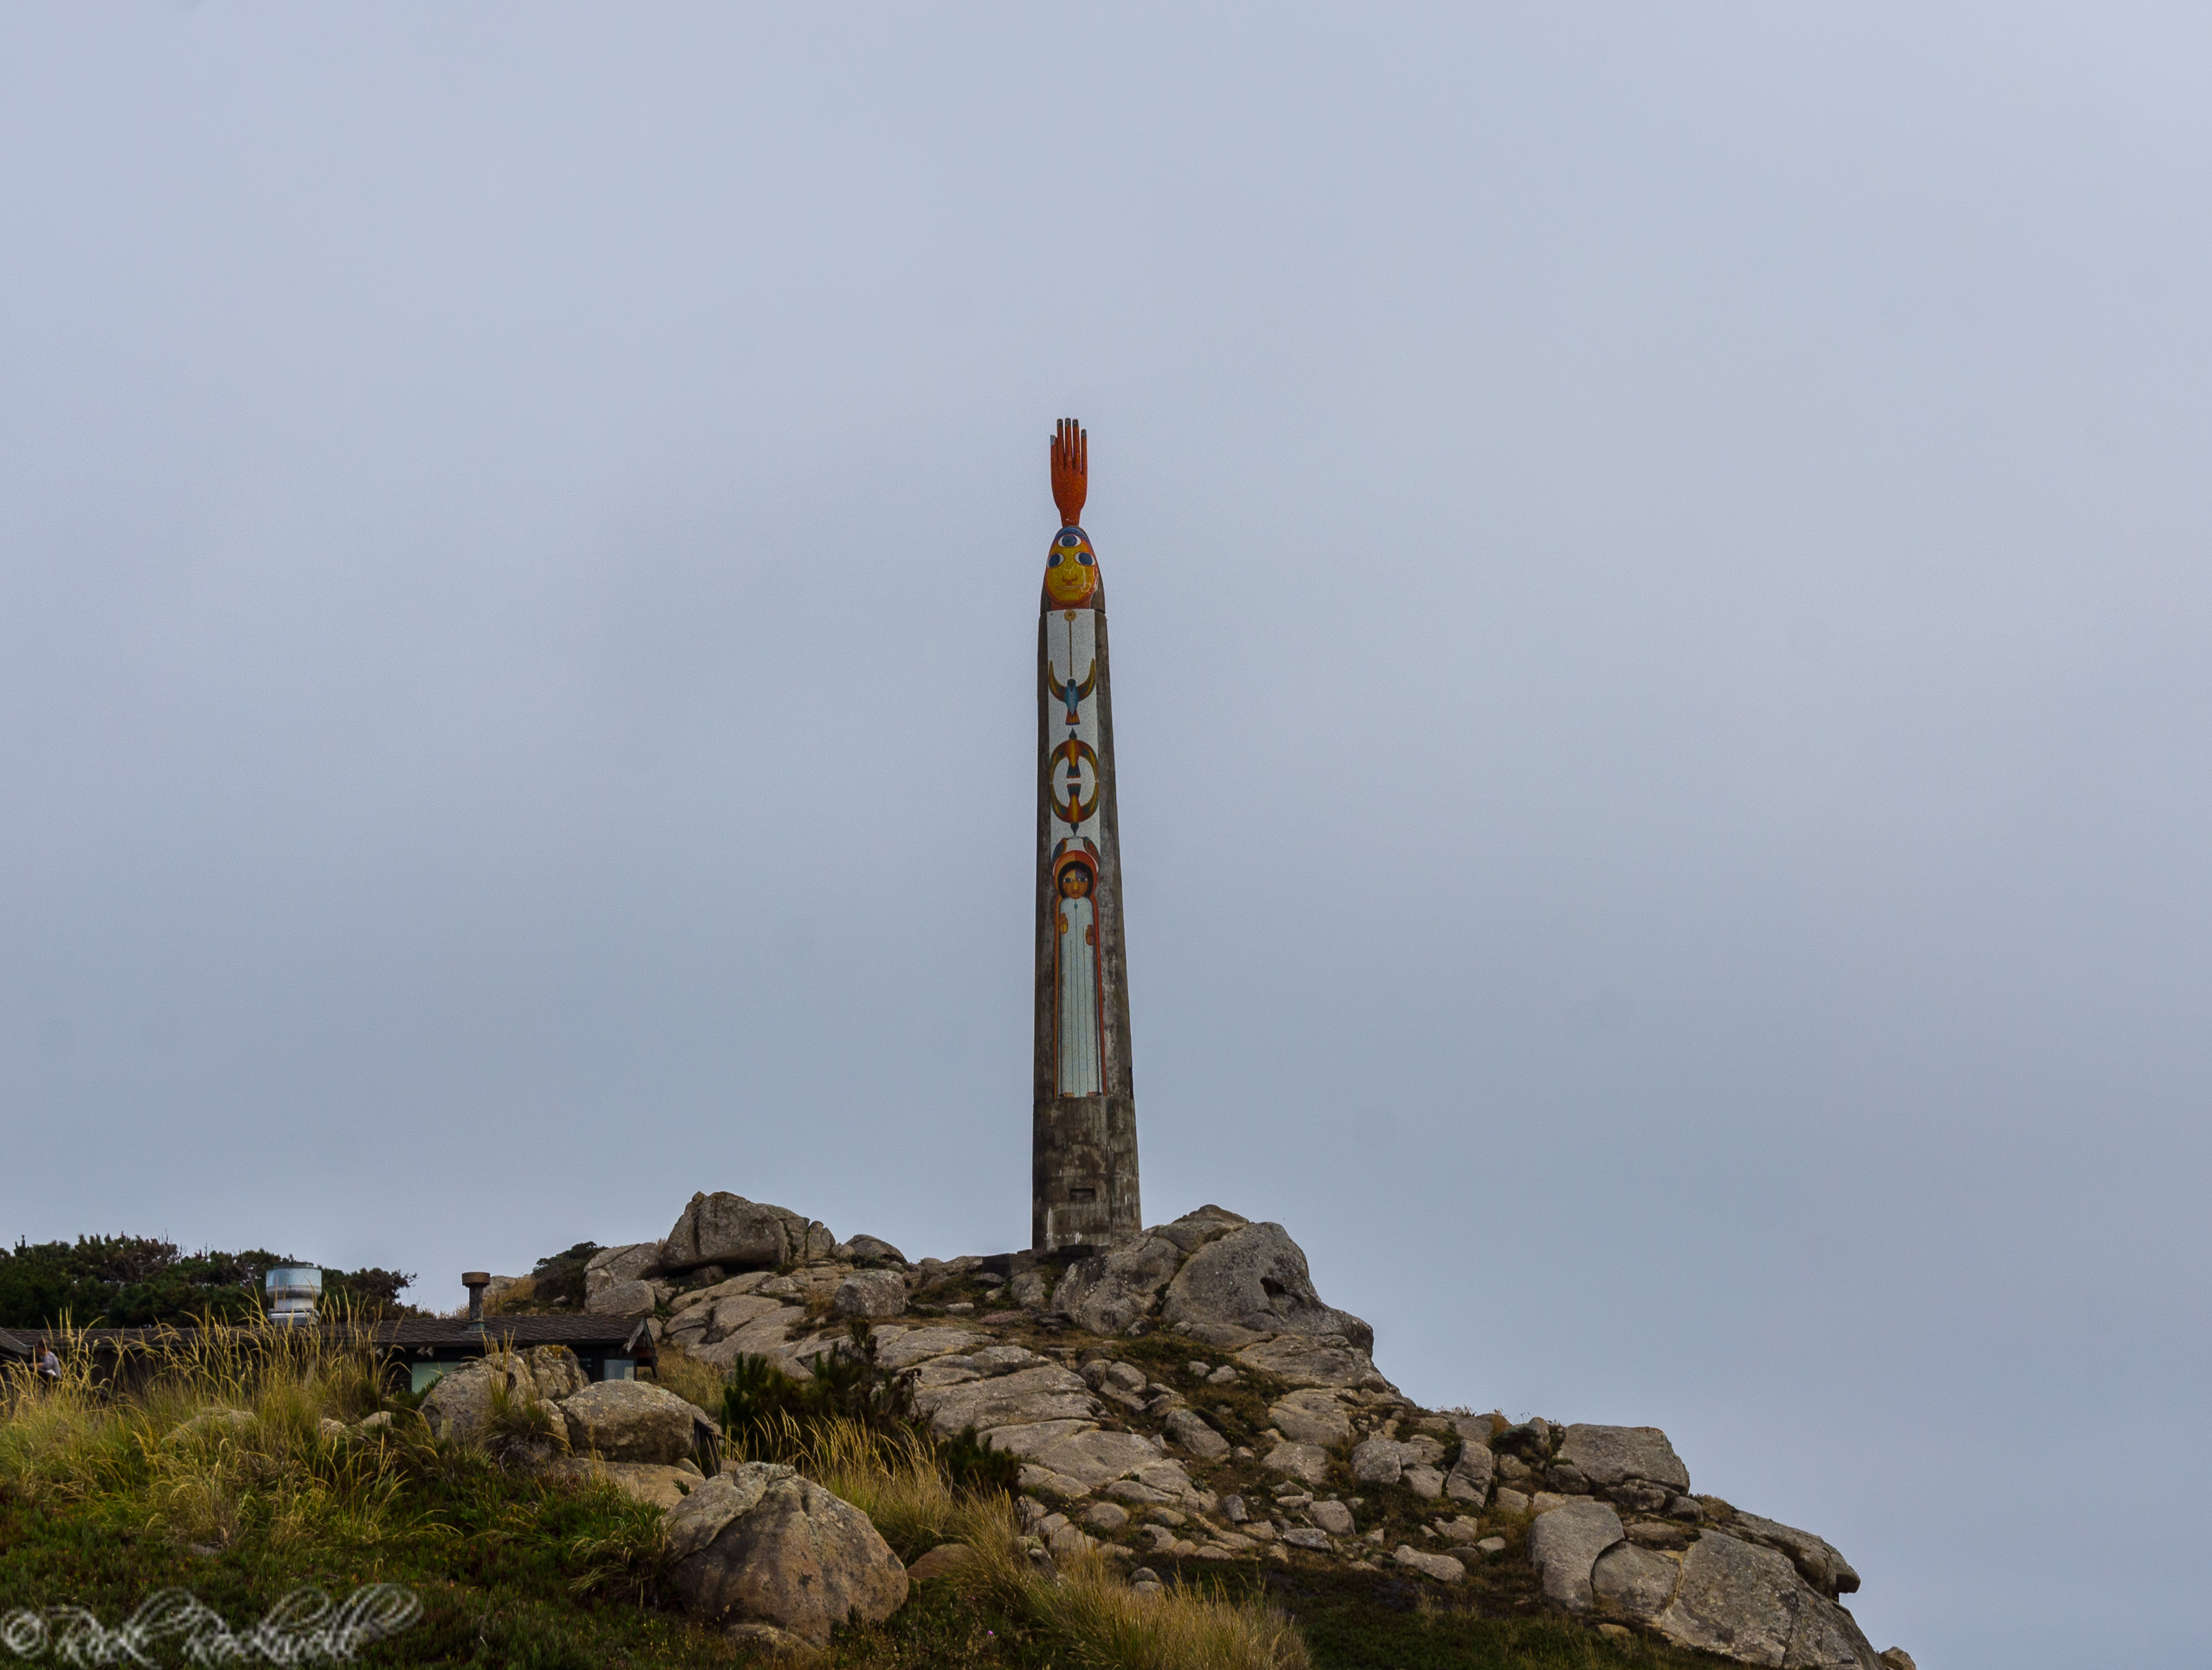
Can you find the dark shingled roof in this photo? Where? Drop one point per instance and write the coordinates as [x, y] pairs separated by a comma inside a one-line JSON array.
[[15, 1345], [605, 1333]]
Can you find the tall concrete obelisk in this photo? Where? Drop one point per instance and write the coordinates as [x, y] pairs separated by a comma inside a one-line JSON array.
[[1083, 1172]]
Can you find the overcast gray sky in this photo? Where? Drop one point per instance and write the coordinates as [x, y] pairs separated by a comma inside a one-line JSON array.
[[1658, 565]]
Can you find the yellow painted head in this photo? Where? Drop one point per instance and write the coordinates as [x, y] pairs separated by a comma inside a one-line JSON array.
[[1070, 571]]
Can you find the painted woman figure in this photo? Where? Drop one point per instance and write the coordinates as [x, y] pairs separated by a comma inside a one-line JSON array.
[[1078, 985]]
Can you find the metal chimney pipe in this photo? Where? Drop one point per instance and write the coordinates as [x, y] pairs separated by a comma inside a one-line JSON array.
[[476, 1281]]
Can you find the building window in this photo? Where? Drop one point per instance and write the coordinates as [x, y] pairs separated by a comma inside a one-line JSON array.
[[618, 1368]]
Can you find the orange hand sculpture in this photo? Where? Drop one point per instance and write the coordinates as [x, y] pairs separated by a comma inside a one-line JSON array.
[[1070, 470]]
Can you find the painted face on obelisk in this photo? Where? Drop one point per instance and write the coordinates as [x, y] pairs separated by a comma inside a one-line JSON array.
[[1070, 571]]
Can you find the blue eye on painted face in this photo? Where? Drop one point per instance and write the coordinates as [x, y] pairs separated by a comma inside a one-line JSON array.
[[1070, 539], [1053, 562], [1083, 557]]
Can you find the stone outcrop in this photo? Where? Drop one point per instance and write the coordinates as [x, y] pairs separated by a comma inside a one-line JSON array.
[[1172, 1455], [1328, 1360], [619, 1266], [1188, 1430], [1107, 1292], [1609, 1458], [734, 1233], [871, 1293], [1314, 1417], [626, 1420], [1470, 1479], [1564, 1544], [1749, 1603], [634, 1298], [1254, 1276], [460, 1407], [1209, 1270], [759, 1545], [1817, 1561]]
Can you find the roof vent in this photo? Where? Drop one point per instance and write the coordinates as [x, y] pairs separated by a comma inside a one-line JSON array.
[[476, 1281], [293, 1295]]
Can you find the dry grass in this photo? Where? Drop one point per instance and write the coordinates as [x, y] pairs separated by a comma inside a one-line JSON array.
[[225, 1444], [1082, 1601], [226, 1424], [696, 1382]]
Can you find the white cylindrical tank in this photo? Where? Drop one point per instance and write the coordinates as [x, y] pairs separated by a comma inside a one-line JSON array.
[[293, 1295]]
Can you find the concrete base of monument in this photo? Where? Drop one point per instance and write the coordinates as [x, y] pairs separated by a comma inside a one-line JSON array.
[[1083, 1173], [1186, 1396]]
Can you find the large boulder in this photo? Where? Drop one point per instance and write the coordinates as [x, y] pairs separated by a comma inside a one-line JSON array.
[[554, 1371], [1084, 1456], [1254, 1276], [870, 1293], [1314, 1417], [620, 1299], [765, 1335], [1187, 1428], [904, 1348], [1470, 1479], [1045, 1392], [1828, 1637], [627, 1420], [734, 1233], [1379, 1462], [1307, 1463], [458, 1408], [1328, 1361], [708, 1324], [1106, 1292], [1194, 1228], [1611, 1458], [1631, 1581], [1748, 1603], [1816, 1559], [614, 1265], [760, 1545], [1564, 1543]]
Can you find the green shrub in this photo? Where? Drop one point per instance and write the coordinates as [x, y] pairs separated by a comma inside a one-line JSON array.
[[768, 1415], [975, 1469]]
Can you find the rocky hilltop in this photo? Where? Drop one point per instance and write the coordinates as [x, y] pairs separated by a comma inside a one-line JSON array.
[[1191, 1397]]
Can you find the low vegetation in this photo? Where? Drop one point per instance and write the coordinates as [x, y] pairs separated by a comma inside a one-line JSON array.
[[136, 1281], [238, 1469]]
